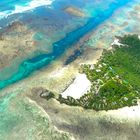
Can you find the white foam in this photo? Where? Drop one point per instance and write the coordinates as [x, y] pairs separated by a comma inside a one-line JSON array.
[[4, 14], [30, 6]]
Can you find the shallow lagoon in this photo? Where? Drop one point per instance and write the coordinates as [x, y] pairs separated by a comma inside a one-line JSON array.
[[71, 36]]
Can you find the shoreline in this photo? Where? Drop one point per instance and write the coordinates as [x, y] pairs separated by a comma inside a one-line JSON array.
[[81, 83], [127, 117]]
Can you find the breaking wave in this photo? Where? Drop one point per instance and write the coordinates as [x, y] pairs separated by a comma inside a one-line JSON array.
[[26, 7]]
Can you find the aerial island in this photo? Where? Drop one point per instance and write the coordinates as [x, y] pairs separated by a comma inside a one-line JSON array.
[[69, 70], [114, 78]]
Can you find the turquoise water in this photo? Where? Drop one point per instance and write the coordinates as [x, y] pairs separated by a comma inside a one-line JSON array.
[[20, 119], [59, 47]]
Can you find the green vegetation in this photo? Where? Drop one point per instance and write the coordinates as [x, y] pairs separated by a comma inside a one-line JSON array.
[[115, 78], [125, 60]]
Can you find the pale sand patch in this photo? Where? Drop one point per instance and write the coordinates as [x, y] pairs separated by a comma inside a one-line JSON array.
[[78, 88], [59, 72], [131, 113]]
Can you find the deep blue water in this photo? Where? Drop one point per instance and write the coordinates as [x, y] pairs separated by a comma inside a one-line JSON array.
[[59, 47]]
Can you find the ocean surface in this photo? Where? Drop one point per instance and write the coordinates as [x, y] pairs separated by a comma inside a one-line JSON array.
[[104, 11], [69, 29]]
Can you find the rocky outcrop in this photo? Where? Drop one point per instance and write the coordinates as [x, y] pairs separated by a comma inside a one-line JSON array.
[[74, 11], [43, 93]]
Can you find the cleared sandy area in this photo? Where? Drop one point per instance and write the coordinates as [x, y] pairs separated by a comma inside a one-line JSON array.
[[78, 88]]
